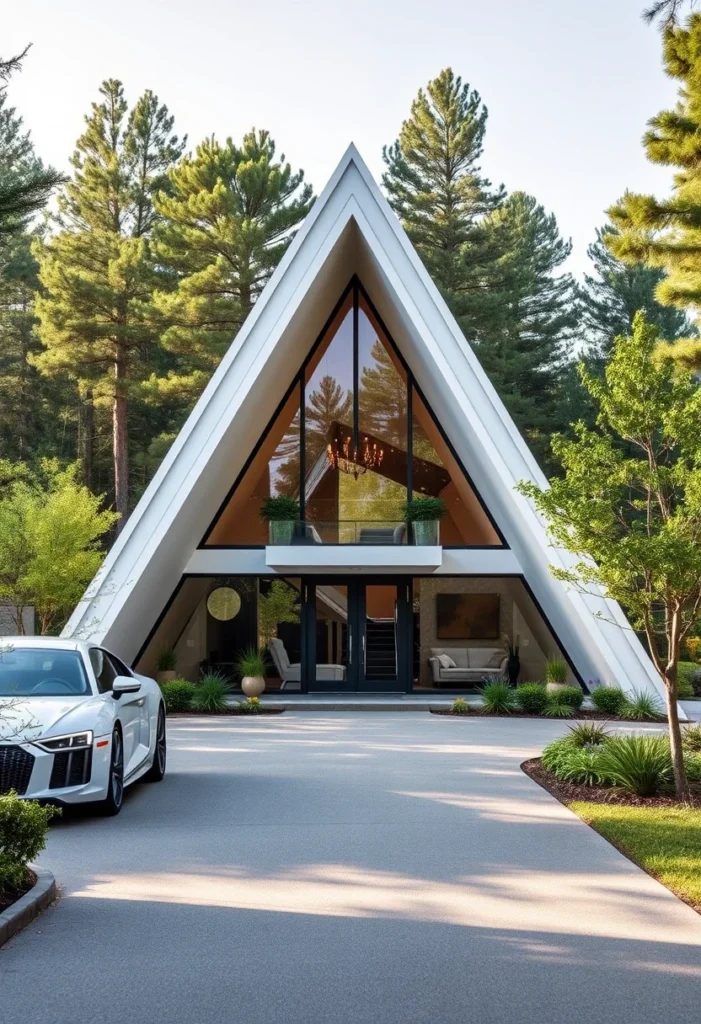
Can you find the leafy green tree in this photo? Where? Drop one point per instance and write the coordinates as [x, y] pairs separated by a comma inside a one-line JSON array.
[[50, 533], [435, 186], [280, 604], [617, 291], [663, 233], [229, 216], [629, 503], [25, 184], [97, 271], [526, 356]]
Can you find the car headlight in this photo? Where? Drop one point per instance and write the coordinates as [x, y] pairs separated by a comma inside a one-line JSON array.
[[74, 741]]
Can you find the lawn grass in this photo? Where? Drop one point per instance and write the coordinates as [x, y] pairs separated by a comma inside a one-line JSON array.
[[665, 841]]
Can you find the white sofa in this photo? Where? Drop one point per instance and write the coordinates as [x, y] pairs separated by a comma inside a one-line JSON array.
[[472, 664], [290, 673]]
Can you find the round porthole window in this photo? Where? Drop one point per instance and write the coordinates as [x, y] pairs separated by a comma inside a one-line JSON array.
[[224, 604]]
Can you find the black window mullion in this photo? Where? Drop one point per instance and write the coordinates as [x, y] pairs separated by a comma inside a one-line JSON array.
[[410, 437], [356, 403], [302, 448]]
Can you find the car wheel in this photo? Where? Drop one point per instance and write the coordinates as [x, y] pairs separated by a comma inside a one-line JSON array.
[[158, 768], [112, 804]]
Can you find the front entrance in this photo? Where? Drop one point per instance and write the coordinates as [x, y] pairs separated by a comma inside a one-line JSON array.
[[358, 635]]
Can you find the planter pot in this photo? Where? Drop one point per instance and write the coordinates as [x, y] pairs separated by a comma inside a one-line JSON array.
[[554, 687], [166, 675], [253, 686], [513, 669], [426, 532], [281, 531]]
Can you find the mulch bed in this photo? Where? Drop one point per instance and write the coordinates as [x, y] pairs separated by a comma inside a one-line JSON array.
[[478, 712], [10, 896], [229, 713], [567, 792]]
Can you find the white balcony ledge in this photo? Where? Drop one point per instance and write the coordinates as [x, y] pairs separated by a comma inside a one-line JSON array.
[[394, 558]]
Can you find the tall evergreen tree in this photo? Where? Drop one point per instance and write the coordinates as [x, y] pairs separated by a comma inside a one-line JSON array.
[[526, 356], [663, 233], [25, 184], [229, 216], [616, 291], [435, 186], [97, 271]]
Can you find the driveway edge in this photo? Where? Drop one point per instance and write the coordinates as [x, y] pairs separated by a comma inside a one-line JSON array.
[[19, 914]]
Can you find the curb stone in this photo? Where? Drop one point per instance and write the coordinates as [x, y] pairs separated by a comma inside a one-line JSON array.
[[19, 914]]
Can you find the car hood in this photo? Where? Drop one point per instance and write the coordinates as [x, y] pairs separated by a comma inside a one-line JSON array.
[[23, 719]]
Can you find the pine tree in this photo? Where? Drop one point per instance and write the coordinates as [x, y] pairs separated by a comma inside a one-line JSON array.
[[435, 187], [663, 233], [97, 271], [614, 294], [230, 214], [527, 356], [25, 184]]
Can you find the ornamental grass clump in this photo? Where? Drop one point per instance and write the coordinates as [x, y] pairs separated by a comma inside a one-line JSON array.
[[638, 764], [211, 693], [531, 698], [498, 698], [556, 671], [691, 739], [643, 707], [460, 706], [178, 695], [588, 734], [609, 700], [250, 706]]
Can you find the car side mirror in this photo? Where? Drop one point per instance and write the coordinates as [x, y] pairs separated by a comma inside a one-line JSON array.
[[125, 684]]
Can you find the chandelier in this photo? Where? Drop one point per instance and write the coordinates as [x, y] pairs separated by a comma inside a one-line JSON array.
[[343, 455]]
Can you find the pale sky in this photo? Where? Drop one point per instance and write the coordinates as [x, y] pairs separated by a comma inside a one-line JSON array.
[[569, 84]]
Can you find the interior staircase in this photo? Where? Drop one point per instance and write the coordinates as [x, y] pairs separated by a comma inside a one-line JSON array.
[[380, 649]]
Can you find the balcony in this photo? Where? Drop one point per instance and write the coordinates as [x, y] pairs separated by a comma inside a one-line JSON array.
[[353, 544]]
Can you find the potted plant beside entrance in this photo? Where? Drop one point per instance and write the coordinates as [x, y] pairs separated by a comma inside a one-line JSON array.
[[166, 665], [425, 515], [513, 665], [555, 674], [281, 513], [251, 667]]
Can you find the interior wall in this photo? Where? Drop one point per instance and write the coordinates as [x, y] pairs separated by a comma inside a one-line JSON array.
[[182, 629]]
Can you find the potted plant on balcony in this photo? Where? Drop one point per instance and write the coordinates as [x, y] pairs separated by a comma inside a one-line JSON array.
[[251, 667], [166, 665], [424, 514], [281, 514]]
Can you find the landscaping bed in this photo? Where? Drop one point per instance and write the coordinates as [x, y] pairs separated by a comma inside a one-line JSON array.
[[538, 700], [567, 792], [9, 894], [480, 712], [228, 713]]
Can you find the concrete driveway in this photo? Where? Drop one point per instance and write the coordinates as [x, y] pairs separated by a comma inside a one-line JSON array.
[[335, 867]]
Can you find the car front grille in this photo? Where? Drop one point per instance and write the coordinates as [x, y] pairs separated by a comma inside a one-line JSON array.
[[15, 769], [70, 768]]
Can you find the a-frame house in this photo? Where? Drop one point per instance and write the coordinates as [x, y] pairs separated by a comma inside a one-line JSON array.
[[350, 388]]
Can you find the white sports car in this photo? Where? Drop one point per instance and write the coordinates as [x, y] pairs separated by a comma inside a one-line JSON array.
[[76, 725]]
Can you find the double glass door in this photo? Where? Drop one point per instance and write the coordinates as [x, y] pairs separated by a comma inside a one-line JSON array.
[[358, 635]]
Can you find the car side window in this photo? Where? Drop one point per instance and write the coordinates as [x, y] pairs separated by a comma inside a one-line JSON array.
[[104, 670], [122, 669]]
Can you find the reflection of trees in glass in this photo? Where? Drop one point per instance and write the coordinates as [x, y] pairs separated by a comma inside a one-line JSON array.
[[383, 398], [280, 604], [370, 498], [329, 403], [284, 465]]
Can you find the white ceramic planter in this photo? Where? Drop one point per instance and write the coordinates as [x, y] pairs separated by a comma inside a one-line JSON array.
[[253, 686]]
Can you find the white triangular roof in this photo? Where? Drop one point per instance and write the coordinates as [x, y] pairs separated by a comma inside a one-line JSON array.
[[350, 229]]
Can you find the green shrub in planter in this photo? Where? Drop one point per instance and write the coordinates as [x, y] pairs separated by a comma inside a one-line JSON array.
[[609, 700], [556, 671], [640, 764], [498, 697], [281, 513], [211, 692], [460, 706], [531, 698], [167, 660], [23, 828], [643, 707], [424, 514], [178, 695]]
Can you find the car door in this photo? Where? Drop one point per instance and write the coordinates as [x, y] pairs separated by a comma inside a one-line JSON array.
[[141, 700], [128, 708]]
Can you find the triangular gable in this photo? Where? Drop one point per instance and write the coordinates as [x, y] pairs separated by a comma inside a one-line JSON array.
[[351, 229]]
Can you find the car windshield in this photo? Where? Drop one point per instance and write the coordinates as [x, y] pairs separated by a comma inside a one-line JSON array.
[[41, 672]]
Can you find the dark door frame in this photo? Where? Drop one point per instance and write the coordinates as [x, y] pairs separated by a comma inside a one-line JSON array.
[[356, 680]]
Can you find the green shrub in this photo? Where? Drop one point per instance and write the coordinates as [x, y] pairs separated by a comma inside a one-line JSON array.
[[498, 697], [609, 700], [554, 710], [572, 696], [250, 706], [687, 674], [556, 670], [460, 706], [692, 766], [531, 698], [643, 707], [556, 754], [281, 508], [167, 660], [251, 663], [210, 693], [640, 764], [581, 765], [588, 734], [422, 510], [691, 738], [178, 695], [23, 828]]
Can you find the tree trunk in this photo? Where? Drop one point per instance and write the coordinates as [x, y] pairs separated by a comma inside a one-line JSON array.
[[681, 784], [88, 424], [120, 440]]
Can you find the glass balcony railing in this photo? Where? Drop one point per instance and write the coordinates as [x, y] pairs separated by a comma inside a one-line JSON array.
[[353, 531]]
